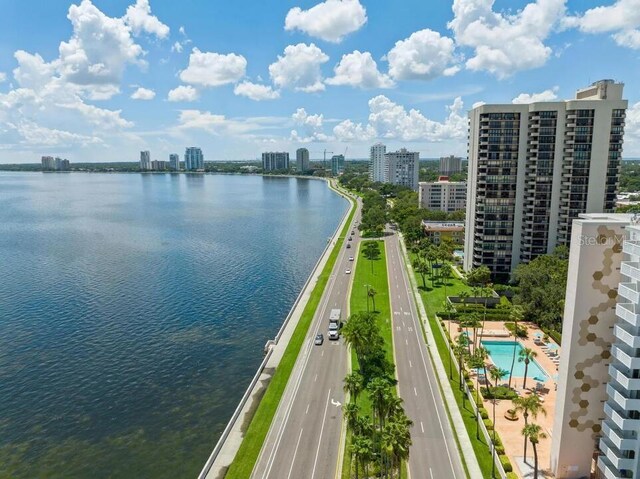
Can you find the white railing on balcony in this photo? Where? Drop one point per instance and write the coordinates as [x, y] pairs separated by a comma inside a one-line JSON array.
[[615, 456], [631, 247], [618, 438], [624, 379], [629, 291], [607, 469], [626, 337], [630, 269], [627, 311]]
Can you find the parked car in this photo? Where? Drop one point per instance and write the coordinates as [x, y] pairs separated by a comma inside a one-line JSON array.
[[347, 271], [319, 339]]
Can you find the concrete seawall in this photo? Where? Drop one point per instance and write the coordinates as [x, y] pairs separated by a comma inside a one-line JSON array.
[[225, 450]]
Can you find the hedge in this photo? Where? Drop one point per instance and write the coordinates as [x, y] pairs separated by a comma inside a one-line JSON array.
[[499, 449], [555, 335], [500, 392], [488, 424], [512, 475], [483, 413], [506, 463]]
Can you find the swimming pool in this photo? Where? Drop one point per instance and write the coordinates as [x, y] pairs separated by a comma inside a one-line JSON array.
[[501, 354]]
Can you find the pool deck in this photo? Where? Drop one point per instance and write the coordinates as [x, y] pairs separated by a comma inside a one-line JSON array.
[[510, 431]]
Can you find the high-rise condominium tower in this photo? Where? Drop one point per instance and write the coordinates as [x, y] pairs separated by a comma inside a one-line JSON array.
[[272, 161], [302, 160], [403, 168], [534, 168], [377, 165], [145, 160], [193, 159], [174, 161], [450, 165], [337, 164]]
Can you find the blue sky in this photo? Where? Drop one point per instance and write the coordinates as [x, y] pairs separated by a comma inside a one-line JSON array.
[[101, 80]]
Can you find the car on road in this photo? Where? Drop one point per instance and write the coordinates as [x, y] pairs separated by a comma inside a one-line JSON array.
[[350, 238], [350, 258], [319, 339], [348, 245], [347, 271], [353, 232]]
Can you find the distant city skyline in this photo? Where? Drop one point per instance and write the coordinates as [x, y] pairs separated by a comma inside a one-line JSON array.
[[324, 75]]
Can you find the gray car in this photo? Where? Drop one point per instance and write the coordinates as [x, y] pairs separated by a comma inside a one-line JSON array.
[[319, 339]]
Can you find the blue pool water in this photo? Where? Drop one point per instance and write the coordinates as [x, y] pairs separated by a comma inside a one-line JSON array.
[[501, 354]]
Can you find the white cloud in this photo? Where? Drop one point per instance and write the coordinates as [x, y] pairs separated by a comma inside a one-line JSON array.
[[220, 125], [348, 131], [34, 135], [359, 70], [183, 93], [477, 104], [213, 69], [299, 68], [330, 20], [143, 94], [628, 38], [255, 91], [100, 117], [311, 127], [622, 18], [547, 95], [139, 18], [505, 43], [424, 55], [32, 71], [3, 77], [177, 47], [632, 121]]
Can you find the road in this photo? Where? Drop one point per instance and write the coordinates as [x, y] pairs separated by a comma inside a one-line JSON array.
[[304, 438], [434, 453]]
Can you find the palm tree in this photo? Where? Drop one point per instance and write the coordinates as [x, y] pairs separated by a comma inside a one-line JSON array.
[[496, 374], [526, 356], [471, 321], [515, 316], [351, 412], [422, 268], [459, 350], [477, 361], [361, 448], [353, 384], [529, 405], [445, 271], [485, 291], [448, 307], [534, 433], [396, 441], [371, 293]]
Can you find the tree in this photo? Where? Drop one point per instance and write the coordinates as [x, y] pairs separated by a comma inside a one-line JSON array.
[[351, 412], [353, 384], [476, 361], [496, 375], [534, 433], [526, 355], [479, 276], [515, 315], [371, 251], [448, 308], [371, 293], [529, 405], [445, 271], [422, 268], [373, 220], [460, 349]]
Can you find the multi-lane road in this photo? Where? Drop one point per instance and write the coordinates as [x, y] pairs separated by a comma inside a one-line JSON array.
[[304, 437], [434, 453], [304, 440]]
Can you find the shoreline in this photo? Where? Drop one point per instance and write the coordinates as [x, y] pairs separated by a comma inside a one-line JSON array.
[[227, 446]]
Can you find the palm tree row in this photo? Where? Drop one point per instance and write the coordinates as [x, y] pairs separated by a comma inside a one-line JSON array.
[[380, 442]]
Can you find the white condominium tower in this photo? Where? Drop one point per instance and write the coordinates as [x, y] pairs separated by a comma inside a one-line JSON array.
[[450, 165], [272, 161], [442, 195], [174, 161], [193, 159], [145, 160], [403, 168], [302, 160], [378, 168], [534, 168]]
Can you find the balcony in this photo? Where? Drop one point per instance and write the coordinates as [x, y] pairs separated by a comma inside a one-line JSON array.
[[622, 398], [615, 456], [629, 291], [619, 421], [623, 378], [627, 311], [631, 247], [630, 269], [608, 470], [630, 339], [623, 440]]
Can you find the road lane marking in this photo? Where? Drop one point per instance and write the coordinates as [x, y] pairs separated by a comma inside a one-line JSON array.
[[431, 472], [406, 342], [315, 378], [410, 364], [422, 427], [307, 411], [324, 417], [294, 454], [397, 328], [322, 353], [415, 391]]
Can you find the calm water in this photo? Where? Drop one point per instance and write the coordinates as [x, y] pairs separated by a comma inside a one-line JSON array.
[[501, 353], [134, 309]]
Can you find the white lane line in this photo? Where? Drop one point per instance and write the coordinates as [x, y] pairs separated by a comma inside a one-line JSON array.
[[406, 342], [307, 411], [415, 391], [315, 378], [422, 427], [294, 454], [431, 472], [410, 365], [324, 417]]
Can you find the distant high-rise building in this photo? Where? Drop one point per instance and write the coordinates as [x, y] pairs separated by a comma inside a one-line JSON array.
[[158, 165], [442, 195], [378, 167], [403, 168], [450, 165], [48, 163], [272, 161], [534, 168], [302, 160], [174, 161], [337, 165], [193, 159], [145, 160]]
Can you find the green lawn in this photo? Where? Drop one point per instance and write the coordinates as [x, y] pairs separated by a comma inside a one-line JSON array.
[[249, 450], [433, 299]]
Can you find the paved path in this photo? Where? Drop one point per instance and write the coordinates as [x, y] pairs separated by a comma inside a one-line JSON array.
[[434, 453], [304, 440]]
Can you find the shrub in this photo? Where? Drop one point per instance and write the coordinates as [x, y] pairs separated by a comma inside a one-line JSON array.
[[506, 464], [483, 413], [499, 450], [498, 442], [522, 331], [500, 392], [555, 335], [488, 424], [512, 475], [470, 384]]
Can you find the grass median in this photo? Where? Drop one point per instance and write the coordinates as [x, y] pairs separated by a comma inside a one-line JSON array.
[[247, 454]]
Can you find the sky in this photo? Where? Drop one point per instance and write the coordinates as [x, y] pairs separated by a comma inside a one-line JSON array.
[[101, 80]]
